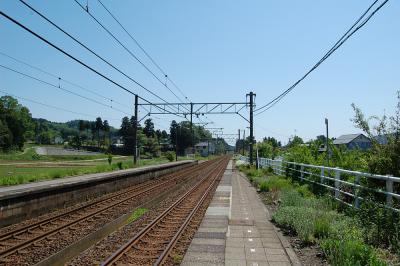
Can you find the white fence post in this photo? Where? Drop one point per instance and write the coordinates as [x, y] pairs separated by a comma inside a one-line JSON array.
[[356, 192], [302, 172], [322, 177], [337, 183], [389, 188]]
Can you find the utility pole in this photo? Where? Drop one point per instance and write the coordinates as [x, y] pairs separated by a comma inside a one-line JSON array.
[[244, 141], [191, 126], [176, 143], [135, 126], [251, 95], [326, 141], [238, 143]]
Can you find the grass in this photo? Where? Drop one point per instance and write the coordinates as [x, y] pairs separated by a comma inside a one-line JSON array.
[[316, 220], [29, 154], [136, 214], [15, 175]]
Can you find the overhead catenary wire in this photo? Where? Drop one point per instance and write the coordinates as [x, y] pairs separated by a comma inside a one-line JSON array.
[[87, 48], [61, 88], [54, 107], [125, 48], [79, 61], [143, 50], [62, 79], [353, 29]]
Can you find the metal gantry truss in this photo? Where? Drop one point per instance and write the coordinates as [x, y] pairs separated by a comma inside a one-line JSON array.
[[198, 109]]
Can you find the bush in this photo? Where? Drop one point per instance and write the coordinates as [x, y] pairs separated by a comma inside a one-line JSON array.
[[322, 227], [109, 159], [299, 219], [263, 186], [119, 164], [170, 155], [349, 252]]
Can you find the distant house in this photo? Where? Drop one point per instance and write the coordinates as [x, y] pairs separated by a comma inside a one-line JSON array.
[[58, 140], [202, 148], [354, 141]]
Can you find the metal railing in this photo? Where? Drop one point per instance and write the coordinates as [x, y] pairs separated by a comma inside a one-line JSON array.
[[345, 185]]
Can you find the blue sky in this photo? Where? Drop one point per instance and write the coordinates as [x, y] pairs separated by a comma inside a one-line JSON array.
[[214, 51]]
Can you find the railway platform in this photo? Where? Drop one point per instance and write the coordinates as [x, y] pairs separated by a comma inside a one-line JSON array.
[[236, 229], [26, 201]]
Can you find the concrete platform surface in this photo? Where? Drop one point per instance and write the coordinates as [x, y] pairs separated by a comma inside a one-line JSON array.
[[236, 229]]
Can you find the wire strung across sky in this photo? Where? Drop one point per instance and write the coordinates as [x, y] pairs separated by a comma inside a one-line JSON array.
[[79, 61], [55, 107], [61, 88], [353, 29], [86, 47], [125, 48], [143, 50], [64, 80]]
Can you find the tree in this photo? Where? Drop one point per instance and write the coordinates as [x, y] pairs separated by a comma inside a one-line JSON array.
[[265, 149], [384, 158], [164, 134], [274, 142], [295, 141], [148, 129], [98, 127], [106, 128], [173, 131], [126, 133], [5, 136], [16, 121]]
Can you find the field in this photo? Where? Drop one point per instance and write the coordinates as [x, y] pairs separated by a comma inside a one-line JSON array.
[[28, 166]]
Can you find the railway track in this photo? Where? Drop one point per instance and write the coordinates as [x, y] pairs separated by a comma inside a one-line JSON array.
[[35, 235], [154, 243]]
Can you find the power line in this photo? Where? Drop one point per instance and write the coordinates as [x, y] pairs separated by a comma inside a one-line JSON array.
[[53, 107], [61, 88], [353, 29], [84, 46], [126, 49], [77, 60], [143, 50], [64, 80]]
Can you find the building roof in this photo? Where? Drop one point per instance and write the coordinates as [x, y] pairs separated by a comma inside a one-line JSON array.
[[201, 144], [345, 139]]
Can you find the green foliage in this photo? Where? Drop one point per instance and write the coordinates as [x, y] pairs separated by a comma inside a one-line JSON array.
[[321, 227], [349, 253], [180, 135], [136, 214], [119, 164], [109, 158], [15, 122], [383, 158], [170, 155], [381, 225]]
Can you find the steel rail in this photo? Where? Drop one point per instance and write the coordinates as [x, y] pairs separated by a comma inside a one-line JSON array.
[[23, 229], [172, 243], [28, 242], [127, 246]]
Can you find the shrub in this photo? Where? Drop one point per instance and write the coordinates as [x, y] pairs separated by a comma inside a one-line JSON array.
[[109, 158], [322, 227], [341, 252], [304, 191], [119, 164], [170, 155], [263, 186], [299, 219]]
